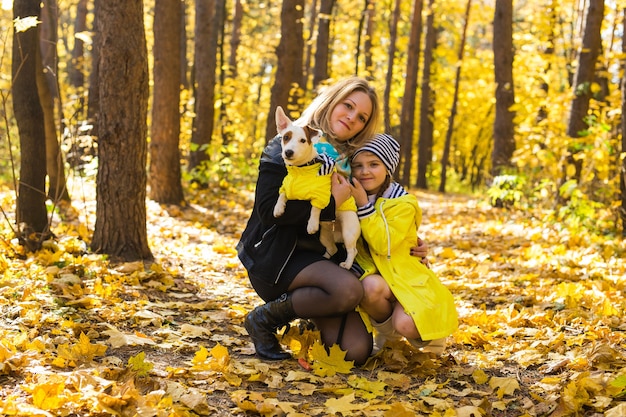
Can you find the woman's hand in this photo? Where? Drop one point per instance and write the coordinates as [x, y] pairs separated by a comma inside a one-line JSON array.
[[340, 188], [420, 251]]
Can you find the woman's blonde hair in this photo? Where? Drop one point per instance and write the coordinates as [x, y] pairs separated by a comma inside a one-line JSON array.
[[317, 114]]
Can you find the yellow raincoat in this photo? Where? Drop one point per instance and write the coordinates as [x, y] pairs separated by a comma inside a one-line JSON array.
[[390, 233]]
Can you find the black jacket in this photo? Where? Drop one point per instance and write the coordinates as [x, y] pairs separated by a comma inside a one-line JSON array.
[[268, 242]]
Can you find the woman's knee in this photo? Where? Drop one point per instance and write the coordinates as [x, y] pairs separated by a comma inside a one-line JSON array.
[[349, 294]]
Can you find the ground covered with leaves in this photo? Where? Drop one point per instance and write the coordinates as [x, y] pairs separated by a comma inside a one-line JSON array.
[[541, 324]]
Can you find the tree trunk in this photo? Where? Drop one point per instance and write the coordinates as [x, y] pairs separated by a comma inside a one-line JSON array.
[[427, 104], [235, 38], [55, 166], [120, 229], [407, 116], [446, 147], [503, 54], [391, 53], [358, 36], [93, 98], [205, 52], [32, 219], [76, 70], [289, 57], [585, 72], [48, 88], [165, 172], [622, 171], [184, 78], [323, 40], [369, 35]]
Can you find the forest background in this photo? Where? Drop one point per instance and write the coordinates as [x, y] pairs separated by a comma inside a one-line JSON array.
[[517, 105]]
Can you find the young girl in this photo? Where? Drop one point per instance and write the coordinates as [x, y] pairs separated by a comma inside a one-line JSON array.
[[406, 299]]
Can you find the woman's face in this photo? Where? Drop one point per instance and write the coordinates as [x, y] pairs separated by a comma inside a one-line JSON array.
[[350, 116], [370, 171]]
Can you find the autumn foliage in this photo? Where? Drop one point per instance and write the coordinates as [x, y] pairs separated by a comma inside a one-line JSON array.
[[541, 325]]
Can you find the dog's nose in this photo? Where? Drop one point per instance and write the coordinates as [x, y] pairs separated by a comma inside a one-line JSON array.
[[289, 153]]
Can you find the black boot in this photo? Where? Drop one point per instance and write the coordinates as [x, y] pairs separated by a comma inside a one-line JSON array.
[[262, 323]]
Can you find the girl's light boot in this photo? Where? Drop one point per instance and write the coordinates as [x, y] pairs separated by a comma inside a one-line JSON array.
[[436, 346], [382, 332]]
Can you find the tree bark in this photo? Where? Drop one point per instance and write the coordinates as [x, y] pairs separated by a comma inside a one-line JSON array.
[[120, 229], [407, 116], [289, 55], [165, 173], [427, 103], [503, 129], [32, 219]]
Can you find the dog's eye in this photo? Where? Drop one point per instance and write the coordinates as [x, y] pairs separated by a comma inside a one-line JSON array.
[[302, 140]]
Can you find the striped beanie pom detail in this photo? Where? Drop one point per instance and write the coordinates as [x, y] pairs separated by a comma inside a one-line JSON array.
[[385, 147]]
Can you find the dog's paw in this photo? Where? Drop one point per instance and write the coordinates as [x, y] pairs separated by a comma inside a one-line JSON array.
[[278, 211], [346, 265], [312, 227]]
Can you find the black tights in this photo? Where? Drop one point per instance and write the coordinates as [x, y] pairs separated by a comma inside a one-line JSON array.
[[329, 294]]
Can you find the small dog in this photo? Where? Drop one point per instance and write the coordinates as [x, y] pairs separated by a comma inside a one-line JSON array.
[[309, 177]]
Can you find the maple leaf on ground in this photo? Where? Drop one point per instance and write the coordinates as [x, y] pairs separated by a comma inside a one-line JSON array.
[[343, 405], [329, 363], [47, 396], [82, 352], [138, 364]]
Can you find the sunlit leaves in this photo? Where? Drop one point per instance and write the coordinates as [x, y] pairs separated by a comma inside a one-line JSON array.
[[329, 363], [25, 23], [82, 352]]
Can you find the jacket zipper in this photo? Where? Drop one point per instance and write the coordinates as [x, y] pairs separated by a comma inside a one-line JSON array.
[[256, 245], [382, 213], [293, 248]]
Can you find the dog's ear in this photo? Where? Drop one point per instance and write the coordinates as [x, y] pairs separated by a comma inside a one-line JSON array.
[[313, 134], [282, 121]]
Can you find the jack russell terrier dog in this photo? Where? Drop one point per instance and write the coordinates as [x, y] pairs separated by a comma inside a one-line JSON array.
[[309, 176]]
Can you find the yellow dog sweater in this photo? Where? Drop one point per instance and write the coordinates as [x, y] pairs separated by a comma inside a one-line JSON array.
[[312, 182]]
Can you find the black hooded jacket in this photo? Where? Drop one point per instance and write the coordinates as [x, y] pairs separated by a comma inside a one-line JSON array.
[[268, 242]]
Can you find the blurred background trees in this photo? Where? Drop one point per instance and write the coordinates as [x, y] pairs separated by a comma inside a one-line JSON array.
[[518, 101]]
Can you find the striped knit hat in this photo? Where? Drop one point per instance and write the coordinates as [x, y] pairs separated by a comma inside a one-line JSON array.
[[385, 147]]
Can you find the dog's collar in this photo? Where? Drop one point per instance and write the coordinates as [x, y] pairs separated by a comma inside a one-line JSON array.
[[312, 161]]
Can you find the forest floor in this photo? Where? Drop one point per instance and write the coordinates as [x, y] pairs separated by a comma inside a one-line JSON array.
[[541, 311]]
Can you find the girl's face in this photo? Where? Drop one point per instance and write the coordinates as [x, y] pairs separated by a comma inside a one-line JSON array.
[[370, 171], [350, 116]]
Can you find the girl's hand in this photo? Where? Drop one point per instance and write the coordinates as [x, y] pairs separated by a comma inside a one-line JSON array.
[[358, 192]]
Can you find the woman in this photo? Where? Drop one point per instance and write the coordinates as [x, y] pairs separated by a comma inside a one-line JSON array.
[[285, 264]]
